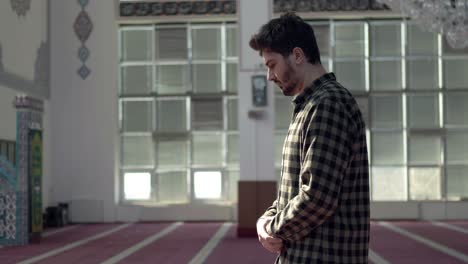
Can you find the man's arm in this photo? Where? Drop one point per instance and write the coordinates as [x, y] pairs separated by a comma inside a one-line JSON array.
[[270, 211], [327, 149]]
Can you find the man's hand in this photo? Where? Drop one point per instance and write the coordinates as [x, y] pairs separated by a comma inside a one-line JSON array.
[[270, 243]]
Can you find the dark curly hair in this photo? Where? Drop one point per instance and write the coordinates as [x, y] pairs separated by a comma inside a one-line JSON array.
[[283, 34]]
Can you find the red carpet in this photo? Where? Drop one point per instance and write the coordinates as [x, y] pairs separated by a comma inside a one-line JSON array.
[[185, 241], [400, 249], [449, 238], [101, 249], [15, 254], [244, 250], [176, 247]]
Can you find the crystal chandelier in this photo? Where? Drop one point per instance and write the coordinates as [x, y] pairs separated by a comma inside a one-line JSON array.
[[449, 17]]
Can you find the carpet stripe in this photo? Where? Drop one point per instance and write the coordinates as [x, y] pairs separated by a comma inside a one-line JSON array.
[[451, 227], [53, 232], [106, 247], [15, 254], [72, 245], [427, 242], [376, 258], [149, 240], [208, 248]]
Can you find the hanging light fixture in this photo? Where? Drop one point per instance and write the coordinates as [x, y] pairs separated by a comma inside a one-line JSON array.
[[448, 17]]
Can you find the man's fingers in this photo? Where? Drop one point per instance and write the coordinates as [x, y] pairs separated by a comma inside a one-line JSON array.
[[273, 240]]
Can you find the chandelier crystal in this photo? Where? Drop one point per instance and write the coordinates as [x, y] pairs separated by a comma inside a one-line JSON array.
[[448, 17]]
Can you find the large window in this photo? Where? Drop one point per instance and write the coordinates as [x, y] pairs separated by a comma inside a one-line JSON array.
[[178, 113], [413, 91]]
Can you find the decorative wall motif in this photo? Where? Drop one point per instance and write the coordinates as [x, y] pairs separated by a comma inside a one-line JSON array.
[[14, 181], [281, 6], [7, 169], [21, 7], [170, 8], [7, 215], [41, 66], [83, 27]]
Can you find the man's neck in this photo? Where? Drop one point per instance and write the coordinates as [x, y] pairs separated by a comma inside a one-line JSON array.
[[311, 73]]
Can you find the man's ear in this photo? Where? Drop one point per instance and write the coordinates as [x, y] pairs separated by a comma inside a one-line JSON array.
[[298, 55]]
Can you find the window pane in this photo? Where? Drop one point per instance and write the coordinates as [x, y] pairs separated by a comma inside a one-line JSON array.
[[207, 149], [172, 152], [387, 148], [363, 103], [231, 77], [389, 184], [207, 114], [386, 75], [387, 111], [456, 109], [385, 40], [423, 111], [136, 80], [455, 74], [283, 111], [136, 45], [206, 43], [422, 74], [207, 184], [172, 79], [231, 41], [457, 147], [232, 114], [233, 149], [351, 74], [322, 35], [233, 178], [207, 78], [137, 186], [457, 182], [172, 187], [137, 116], [421, 42], [425, 184], [137, 151], [448, 50], [279, 142], [424, 149], [172, 115], [171, 43], [349, 40]]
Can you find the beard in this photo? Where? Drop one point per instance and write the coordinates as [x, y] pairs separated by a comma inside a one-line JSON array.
[[288, 82]]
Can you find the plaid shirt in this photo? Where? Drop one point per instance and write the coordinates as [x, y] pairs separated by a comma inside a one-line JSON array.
[[322, 208]]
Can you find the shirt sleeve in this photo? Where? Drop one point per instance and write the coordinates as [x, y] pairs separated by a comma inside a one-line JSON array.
[[325, 151], [270, 211]]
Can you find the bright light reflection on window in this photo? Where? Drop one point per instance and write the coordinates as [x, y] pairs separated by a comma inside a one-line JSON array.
[[207, 184], [137, 186]]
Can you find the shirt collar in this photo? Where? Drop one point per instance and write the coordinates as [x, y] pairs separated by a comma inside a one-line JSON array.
[[309, 90]]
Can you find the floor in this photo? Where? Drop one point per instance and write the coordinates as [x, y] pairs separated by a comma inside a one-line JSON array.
[[213, 243]]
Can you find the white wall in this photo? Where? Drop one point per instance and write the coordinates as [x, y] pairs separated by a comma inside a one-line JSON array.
[[256, 135], [84, 112], [20, 39], [21, 36], [7, 114]]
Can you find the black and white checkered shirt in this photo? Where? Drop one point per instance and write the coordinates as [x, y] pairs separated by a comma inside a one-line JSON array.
[[322, 208]]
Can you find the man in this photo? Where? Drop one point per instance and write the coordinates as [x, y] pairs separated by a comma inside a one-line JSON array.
[[321, 214]]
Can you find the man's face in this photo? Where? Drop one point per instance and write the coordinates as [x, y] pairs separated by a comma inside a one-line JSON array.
[[281, 71]]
